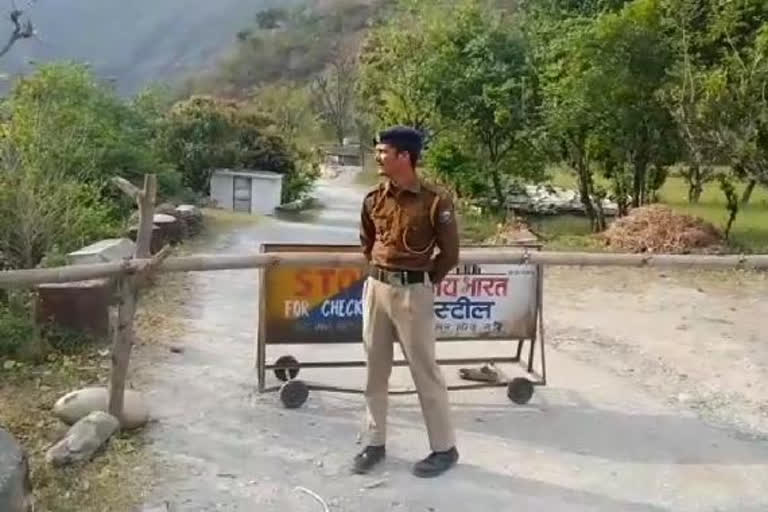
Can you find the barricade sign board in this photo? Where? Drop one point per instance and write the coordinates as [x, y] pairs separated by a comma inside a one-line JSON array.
[[487, 301], [321, 304]]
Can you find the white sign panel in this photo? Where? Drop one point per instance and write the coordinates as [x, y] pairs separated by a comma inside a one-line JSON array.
[[487, 301]]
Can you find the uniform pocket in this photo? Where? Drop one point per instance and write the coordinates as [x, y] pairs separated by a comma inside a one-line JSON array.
[[417, 233]]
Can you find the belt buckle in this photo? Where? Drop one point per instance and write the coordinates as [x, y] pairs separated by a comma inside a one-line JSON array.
[[391, 277]]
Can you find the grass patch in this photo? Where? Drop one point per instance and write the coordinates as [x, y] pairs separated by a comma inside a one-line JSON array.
[[750, 230], [114, 480], [565, 233], [475, 228], [557, 233], [215, 219], [748, 234], [121, 475]]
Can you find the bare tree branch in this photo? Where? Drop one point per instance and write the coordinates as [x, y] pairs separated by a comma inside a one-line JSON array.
[[334, 93], [129, 188], [21, 29]]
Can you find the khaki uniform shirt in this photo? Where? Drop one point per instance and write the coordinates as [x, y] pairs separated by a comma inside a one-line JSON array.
[[401, 228]]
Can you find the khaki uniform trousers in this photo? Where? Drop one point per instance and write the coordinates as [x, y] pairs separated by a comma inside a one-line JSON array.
[[403, 313]]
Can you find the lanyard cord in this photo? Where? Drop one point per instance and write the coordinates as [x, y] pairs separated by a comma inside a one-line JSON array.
[[432, 242]]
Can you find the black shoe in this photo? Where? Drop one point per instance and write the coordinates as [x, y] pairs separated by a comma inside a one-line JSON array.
[[436, 464], [368, 458]]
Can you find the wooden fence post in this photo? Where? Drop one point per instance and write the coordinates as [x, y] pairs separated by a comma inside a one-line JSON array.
[[128, 289]]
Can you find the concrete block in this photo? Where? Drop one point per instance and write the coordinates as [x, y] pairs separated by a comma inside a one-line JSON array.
[[81, 306], [104, 251]]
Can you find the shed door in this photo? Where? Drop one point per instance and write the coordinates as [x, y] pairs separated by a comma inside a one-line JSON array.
[[242, 194]]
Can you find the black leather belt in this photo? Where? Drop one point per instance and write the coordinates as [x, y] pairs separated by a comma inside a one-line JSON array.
[[397, 277]]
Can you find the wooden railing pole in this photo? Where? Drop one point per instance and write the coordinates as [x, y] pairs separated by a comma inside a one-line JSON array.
[[128, 288], [508, 256]]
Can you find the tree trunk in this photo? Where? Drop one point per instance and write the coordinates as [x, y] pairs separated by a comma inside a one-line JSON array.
[[747, 195], [585, 191], [695, 187], [639, 196], [600, 218], [498, 191], [615, 171]]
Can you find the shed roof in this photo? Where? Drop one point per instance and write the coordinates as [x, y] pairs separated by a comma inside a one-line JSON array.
[[247, 173]]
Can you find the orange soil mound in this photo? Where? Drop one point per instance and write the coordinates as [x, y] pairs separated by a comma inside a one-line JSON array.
[[660, 229]]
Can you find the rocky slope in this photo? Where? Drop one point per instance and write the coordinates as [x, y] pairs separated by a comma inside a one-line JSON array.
[[134, 42]]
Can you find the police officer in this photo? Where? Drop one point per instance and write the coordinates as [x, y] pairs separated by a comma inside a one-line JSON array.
[[403, 221]]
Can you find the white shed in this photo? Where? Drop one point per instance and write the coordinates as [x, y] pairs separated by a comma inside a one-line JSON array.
[[246, 191]]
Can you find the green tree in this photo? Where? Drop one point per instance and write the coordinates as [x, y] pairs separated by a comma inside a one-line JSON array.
[[568, 98], [204, 133], [493, 100], [64, 121], [460, 72], [600, 77], [393, 86], [41, 212], [290, 105], [717, 89]]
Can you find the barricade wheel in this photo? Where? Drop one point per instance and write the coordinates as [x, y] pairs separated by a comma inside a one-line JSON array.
[[293, 394], [293, 368], [520, 390]]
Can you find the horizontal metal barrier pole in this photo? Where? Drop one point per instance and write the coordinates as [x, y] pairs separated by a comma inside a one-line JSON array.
[[199, 263], [396, 362]]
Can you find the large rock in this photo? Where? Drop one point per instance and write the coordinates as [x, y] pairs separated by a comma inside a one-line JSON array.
[[192, 218], [104, 251], [551, 200], [76, 405], [166, 208], [83, 439], [15, 487]]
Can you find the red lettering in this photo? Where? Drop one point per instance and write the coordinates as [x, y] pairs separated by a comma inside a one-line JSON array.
[[325, 275], [347, 277], [304, 283], [331, 281]]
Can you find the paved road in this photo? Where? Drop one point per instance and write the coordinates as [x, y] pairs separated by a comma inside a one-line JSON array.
[[590, 441]]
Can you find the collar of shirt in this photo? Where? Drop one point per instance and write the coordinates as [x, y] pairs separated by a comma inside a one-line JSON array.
[[392, 188]]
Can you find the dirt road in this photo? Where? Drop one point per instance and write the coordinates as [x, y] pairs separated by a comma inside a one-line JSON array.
[[658, 386]]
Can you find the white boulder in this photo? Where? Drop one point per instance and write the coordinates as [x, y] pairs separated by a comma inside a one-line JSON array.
[[78, 404]]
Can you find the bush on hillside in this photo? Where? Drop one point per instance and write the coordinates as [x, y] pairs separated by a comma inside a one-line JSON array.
[[39, 213]]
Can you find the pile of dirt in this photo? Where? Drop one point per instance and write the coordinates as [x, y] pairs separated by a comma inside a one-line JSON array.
[[512, 233], [660, 229]]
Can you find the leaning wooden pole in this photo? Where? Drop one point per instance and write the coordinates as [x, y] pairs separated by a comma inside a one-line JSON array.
[[128, 290]]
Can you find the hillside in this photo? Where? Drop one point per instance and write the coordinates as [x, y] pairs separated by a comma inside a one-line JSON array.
[[134, 42], [292, 44]]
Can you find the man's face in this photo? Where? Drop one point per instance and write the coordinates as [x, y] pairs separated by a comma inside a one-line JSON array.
[[389, 161]]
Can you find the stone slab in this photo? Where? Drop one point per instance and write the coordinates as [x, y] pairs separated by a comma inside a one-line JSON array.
[[104, 251]]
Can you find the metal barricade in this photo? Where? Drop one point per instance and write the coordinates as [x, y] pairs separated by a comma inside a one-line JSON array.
[[323, 305]]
